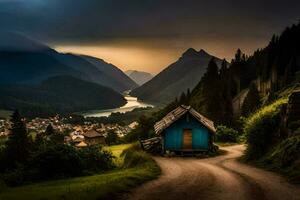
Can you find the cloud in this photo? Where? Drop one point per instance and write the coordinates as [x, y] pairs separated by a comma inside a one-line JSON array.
[[90, 21]]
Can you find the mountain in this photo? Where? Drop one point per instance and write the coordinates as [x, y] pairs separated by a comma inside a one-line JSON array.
[[29, 62], [138, 76], [13, 41], [19, 67], [113, 73], [184, 74], [60, 94]]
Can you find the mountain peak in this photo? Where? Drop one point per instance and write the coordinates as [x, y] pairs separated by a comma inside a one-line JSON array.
[[203, 53], [191, 52]]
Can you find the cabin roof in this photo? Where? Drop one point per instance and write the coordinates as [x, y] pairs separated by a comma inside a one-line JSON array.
[[177, 113], [92, 134]]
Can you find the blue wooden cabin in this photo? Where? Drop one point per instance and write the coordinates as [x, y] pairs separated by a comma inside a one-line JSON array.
[[185, 130]]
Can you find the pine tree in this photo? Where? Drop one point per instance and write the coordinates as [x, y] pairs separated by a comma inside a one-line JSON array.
[[49, 130], [289, 71], [238, 56], [182, 99], [18, 144], [211, 92], [252, 101], [111, 138], [226, 112]]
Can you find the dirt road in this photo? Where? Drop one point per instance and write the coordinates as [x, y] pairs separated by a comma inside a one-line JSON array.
[[221, 177]]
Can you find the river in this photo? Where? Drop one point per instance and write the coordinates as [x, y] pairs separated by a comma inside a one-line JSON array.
[[132, 103]]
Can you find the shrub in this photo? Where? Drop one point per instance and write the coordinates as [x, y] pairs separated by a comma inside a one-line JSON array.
[[285, 158], [59, 161], [14, 177], [134, 156], [294, 125], [225, 134], [262, 129], [96, 159], [286, 153], [143, 131], [134, 147], [55, 161]]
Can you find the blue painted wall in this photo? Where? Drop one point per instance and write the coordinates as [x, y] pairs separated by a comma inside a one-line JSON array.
[[173, 134]]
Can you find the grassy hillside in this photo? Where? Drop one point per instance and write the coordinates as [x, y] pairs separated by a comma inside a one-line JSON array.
[[102, 186], [62, 94], [268, 145]]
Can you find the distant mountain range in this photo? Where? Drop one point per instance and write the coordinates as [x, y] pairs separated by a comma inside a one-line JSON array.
[[40, 81], [24, 61], [184, 74], [138, 76]]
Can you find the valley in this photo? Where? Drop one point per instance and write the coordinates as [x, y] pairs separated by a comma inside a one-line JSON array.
[[132, 103], [146, 100]]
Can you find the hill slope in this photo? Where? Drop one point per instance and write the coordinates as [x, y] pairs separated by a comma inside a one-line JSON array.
[[29, 62], [61, 94], [177, 78], [117, 76], [138, 76]]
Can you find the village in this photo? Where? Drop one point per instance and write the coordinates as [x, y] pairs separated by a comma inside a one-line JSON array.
[[79, 135]]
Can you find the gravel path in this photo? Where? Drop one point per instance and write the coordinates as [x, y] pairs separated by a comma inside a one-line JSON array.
[[221, 177]]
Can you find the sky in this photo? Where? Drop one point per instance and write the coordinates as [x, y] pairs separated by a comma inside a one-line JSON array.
[[148, 35]]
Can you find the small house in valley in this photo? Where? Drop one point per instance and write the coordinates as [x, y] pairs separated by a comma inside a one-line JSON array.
[[184, 129], [93, 137]]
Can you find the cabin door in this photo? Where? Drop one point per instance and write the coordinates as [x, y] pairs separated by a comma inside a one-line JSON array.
[[187, 140]]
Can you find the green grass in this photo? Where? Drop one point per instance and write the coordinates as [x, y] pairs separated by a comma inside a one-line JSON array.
[[283, 158], [101, 186], [267, 110], [266, 149], [116, 151]]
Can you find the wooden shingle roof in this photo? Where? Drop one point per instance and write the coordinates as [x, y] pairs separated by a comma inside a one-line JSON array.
[[174, 115]]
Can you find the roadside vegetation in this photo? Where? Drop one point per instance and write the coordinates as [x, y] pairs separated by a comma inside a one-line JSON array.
[[227, 135], [262, 129], [268, 146], [136, 168], [44, 167]]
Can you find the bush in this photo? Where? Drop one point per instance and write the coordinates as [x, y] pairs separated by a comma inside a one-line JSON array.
[[95, 159], [262, 129], [60, 161], [55, 161], [287, 152], [285, 157], [135, 156], [14, 177], [134, 147], [294, 125], [225, 134], [143, 131]]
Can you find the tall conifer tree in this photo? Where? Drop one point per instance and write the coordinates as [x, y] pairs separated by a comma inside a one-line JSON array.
[[18, 144]]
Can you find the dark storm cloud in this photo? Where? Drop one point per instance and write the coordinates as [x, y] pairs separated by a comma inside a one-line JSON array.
[[76, 21]]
